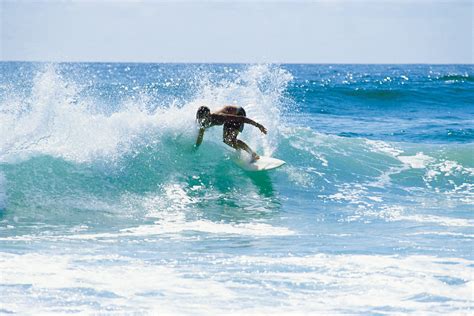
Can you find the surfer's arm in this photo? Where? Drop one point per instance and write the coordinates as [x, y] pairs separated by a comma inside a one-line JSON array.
[[243, 119], [199, 138]]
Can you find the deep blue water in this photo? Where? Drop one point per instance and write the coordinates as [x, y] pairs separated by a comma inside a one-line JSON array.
[[106, 207]]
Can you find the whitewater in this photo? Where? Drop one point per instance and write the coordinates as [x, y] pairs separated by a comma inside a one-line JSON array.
[[107, 207]]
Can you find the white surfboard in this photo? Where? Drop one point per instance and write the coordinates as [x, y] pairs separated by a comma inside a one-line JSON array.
[[264, 163]]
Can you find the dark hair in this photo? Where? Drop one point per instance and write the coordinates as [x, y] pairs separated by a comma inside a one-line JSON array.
[[202, 111]]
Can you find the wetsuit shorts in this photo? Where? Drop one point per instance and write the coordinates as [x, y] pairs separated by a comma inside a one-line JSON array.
[[234, 125]]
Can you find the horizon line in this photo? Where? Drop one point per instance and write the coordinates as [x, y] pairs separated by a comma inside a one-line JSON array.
[[237, 63]]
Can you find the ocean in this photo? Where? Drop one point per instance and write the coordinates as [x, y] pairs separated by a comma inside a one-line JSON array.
[[106, 207]]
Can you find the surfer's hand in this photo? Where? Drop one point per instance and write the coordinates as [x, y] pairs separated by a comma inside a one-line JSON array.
[[262, 128]]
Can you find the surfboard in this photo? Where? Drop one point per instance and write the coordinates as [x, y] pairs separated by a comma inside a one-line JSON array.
[[264, 163]]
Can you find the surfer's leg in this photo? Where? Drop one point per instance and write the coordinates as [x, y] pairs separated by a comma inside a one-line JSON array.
[[230, 138], [244, 146]]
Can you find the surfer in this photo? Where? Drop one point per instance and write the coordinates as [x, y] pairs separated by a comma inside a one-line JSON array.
[[233, 118]]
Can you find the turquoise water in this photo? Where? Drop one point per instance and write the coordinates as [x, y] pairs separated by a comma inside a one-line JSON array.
[[106, 207]]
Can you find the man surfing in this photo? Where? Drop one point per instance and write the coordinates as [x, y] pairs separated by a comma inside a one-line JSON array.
[[233, 118]]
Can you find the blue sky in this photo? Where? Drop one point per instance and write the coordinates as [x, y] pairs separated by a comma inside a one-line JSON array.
[[302, 31]]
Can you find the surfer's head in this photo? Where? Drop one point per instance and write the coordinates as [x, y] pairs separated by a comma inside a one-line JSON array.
[[203, 116]]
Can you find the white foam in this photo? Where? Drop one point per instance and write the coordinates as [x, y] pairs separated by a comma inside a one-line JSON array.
[[439, 220], [399, 213], [299, 177], [171, 226], [394, 281], [450, 168], [438, 233], [450, 172], [383, 147], [130, 285], [205, 226], [419, 161], [244, 284], [356, 194], [169, 205]]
